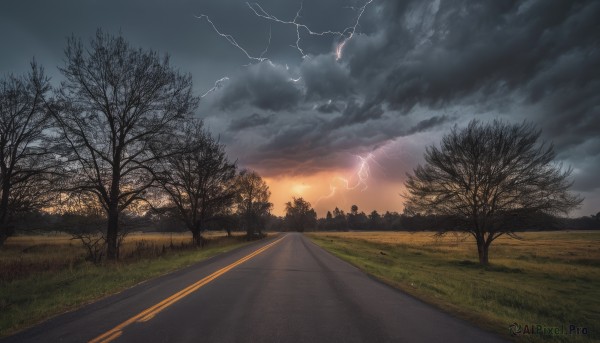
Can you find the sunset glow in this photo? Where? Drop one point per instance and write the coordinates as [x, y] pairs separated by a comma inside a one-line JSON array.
[[317, 189]]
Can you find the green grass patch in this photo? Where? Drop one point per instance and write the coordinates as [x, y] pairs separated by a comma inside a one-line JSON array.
[[549, 279], [68, 282]]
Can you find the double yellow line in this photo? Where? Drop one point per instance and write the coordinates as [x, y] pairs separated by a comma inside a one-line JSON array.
[[150, 312]]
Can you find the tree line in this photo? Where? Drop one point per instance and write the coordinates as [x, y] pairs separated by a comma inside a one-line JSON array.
[[339, 220], [114, 145]]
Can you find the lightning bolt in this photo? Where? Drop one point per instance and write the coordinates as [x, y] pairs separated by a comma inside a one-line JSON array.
[[340, 47], [344, 35], [233, 42], [363, 170], [362, 174], [218, 85]]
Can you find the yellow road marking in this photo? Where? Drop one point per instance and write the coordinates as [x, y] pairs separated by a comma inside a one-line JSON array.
[[150, 312], [114, 335]]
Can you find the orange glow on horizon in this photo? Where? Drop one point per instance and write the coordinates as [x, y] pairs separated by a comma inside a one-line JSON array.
[[327, 190]]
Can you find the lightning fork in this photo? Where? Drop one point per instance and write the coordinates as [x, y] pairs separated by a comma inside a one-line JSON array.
[[233, 42], [349, 31]]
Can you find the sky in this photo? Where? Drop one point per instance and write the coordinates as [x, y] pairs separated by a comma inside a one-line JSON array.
[[335, 101]]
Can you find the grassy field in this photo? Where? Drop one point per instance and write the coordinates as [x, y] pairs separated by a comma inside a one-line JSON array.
[[41, 276], [547, 278]]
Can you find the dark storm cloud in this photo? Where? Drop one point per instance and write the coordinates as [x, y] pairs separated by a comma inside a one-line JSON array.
[[586, 175], [313, 146], [537, 53], [427, 124], [263, 85], [252, 120], [546, 52], [324, 78], [314, 138], [538, 58], [328, 107], [356, 113]]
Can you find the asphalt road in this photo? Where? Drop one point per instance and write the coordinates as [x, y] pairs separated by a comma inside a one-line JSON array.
[[289, 291]]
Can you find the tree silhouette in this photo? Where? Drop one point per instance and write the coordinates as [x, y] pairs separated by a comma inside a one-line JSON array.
[[339, 220], [488, 180], [252, 201], [299, 215], [374, 220], [115, 104], [356, 220], [198, 179], [27, 162]]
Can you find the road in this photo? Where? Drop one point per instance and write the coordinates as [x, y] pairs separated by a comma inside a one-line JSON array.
[[280, 290]]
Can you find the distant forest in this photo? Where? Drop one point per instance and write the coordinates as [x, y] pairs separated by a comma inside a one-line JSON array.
[[336, 220]]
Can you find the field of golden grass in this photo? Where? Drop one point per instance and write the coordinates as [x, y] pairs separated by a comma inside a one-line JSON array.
[[25, 255], [569, 247], [546, 278]]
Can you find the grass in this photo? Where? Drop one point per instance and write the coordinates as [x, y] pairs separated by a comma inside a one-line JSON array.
[[42, 276], [547, 278]]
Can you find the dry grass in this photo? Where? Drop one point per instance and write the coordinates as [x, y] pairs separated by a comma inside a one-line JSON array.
[[41, 276], [569, 247], [22, 256], [547, 278]]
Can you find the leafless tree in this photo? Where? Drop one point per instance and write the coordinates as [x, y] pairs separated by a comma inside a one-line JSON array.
[[489, 180], [252, 201], [198, 179], [117, 103], [27, 162]]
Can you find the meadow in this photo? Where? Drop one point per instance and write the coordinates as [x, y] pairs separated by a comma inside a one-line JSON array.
[[551, 279], [42, 276]]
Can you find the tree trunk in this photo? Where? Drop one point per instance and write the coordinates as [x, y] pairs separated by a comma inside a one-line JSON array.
[[228, 231], [197, 237], [112, 233], [5, 229], [4, 234], [482, 250], [112, 230], [249, 227]]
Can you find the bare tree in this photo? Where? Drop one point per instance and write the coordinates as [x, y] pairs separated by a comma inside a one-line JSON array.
[[27, 162], [489, 180], [299, 215], [252, 201], [117, 103], [198, 180]]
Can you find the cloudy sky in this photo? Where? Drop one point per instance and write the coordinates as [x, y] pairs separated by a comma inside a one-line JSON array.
[[336, 100]]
